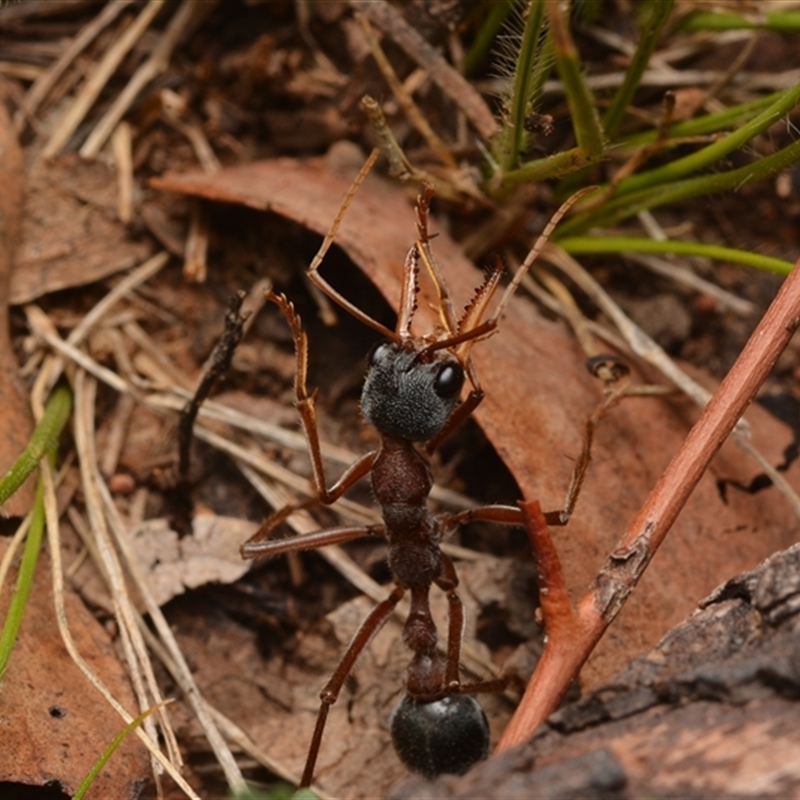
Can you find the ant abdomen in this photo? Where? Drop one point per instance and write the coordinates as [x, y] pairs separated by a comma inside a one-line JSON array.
[[448, 735]]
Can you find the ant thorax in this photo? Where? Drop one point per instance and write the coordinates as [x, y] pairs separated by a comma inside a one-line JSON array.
[[410, 392]]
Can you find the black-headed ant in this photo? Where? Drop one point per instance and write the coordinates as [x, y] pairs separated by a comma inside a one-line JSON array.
[[412, 395]]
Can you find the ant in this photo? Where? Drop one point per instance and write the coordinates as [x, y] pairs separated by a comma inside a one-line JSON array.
[[412, 396]]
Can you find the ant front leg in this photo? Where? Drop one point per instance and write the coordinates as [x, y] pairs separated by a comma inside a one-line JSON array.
[[306, 405]]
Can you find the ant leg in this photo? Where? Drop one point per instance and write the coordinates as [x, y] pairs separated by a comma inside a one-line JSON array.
[[448, 582], [585, 456], [511, 515], [499, 514], [256, 548], [369, 627], [456, 419], [306, 405], [357, 470]]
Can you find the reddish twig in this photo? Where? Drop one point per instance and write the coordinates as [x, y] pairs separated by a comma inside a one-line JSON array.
[[573, 634]]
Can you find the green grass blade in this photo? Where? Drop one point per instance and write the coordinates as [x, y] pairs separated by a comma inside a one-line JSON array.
[[527, 74], [732, 117], [619, 208], [585, 121], [22, 590], [554, 166], [43, 442], [656, 15], [279, 792], [98, 765], [780, 21], [594, 245], [44, 439], [785, 102], [486, 35]]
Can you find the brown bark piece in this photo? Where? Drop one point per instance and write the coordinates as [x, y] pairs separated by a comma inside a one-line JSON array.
[[16, 423], [53, 724], [711, 712]]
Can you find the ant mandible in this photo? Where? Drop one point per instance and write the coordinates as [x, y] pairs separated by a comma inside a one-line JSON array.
[[411, 395]]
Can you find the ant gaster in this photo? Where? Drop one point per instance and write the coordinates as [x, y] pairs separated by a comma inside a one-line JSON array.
[[411, 395]]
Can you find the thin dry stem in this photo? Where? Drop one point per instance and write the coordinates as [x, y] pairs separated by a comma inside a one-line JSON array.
[[188, 685], [99, 78], [47, 80], [12, 545], [139, 668], [122, 145], [684, 275], [54, 544], [41, 324], [151, 69], [404, 99], [451, 82]]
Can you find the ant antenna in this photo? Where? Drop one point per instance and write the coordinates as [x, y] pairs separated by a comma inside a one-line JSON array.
[[313, 270]]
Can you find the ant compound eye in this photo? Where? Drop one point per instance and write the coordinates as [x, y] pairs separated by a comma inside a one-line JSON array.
[[378, 353], [449, 380]]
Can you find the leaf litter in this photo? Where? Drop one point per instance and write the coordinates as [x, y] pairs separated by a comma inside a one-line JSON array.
[[146, 349]]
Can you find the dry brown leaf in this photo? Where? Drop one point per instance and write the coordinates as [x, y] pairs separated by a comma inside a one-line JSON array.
[[173, 564], [54, 724], [176, 564], [70, 232], [16, 426], [538, 396]]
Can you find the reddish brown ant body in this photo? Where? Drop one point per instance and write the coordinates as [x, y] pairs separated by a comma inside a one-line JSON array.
[[412, 396]]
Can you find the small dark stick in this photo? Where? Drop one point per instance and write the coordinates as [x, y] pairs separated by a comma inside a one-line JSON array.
[[412, 396], [218, 365], [176, 484]]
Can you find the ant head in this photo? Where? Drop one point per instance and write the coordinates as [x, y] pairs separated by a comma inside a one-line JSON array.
[[409, 392]]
